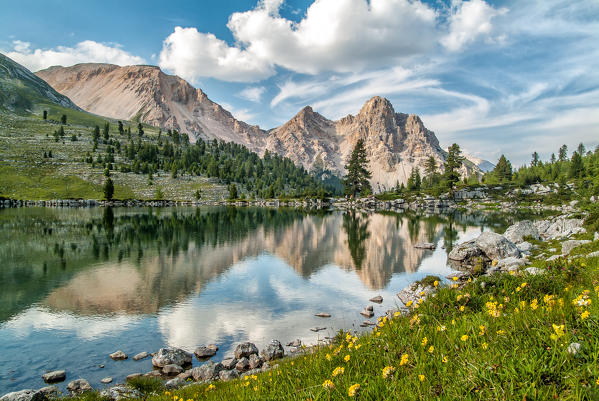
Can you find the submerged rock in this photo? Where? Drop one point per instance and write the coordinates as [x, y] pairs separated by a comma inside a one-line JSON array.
[[140, 356], [317, 329], [203, 352], [118, 356], [323, 314], [55, 376], [378, 299], [425, 245], [106, 380], [168, 356]]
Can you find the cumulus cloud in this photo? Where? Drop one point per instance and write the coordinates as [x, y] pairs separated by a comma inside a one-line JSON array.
[[334, 35], [252, 93], [468, 21], [83, 52]]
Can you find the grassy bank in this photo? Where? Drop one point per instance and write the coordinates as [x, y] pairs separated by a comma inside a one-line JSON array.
[[506, 336]]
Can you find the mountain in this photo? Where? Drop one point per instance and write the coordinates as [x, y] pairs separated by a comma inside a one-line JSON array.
[[146, 94], [484, 165], [395, 142], [21, 90]]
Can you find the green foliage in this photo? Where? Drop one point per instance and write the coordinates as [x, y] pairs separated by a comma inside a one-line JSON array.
[[233, 191], [452, 163], [503, 170], [108, 189], [356, 181], [146, 385], [63, 119]]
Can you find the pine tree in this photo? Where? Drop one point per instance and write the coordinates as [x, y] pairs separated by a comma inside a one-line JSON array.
[[106, 131], [140, 129], [356, 181], [430, 171], [576, 166], [535, 159], [503, 169], [45, 114], [108, 189], [453, 162], [63, 119], [581, 149], [121, 129], [233, 191], [563, 153]]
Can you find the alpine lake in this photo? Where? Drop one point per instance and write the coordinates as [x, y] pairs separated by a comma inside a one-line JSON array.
[[77, 284]]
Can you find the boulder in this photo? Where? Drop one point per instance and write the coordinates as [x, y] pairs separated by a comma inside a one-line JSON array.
[[79, 386], [560, 227], [54, 376], [24, 395], [295, 343], [367, 313], [50, 391], [534, 271], [243, 364], [172, 370], [274, 350], [168, 356], [425, 245], [255, 361], [524, 247], [184, 375], [509, 264], [226, 375], [414, 292], [245, 350], [208, 371], [567, 246], [140, 356], [378, 299], [204, 352], [229, 363], [106, 380], [518, 231], [175, 383], [118, 356], [121, 392], [133, 376], [554, 257], [496, 246], [465, 252]]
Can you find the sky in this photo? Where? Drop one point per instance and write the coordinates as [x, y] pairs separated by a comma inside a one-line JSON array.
[[497, 77]]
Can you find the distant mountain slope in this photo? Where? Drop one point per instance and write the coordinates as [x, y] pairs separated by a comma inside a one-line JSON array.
[[21, 90], [482, 164], [146, 94], [395, 142]]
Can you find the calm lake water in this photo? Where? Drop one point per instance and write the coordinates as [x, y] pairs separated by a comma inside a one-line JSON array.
[[78, 284]]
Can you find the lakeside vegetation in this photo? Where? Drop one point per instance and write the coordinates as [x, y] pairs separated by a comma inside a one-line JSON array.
[[505, 336]]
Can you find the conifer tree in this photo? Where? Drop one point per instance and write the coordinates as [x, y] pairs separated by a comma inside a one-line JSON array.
[[453, 162], [356, 181]]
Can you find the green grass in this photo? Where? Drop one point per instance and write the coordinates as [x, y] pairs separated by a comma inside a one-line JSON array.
[[25, 174]]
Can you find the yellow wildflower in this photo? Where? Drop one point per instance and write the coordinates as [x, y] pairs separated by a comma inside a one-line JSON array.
[[353, 390], [397, 314], [388, 371], [421, 378], [424, 341], [404, 359], [210, 387], [339, 370], [485, 345], [534, 304], [444, 360], [482, 330], [559, 331], [328, 357], [409, 303], [584, 314], [455, 278], [441, 328], [459, 297], [431, 349], [462, 308], [436, 283], [346, 359], [328, 384], [464, 337]]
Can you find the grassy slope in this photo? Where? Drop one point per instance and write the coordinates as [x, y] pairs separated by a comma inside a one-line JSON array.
[[503, 340], [25, 174]]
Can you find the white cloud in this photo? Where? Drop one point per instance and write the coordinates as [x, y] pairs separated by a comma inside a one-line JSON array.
[[334, 35], [252, 93], [84, 52], [192, 55], [468, 21]]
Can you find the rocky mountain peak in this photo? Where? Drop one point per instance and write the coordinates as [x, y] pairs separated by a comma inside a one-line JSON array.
[[377, 106]]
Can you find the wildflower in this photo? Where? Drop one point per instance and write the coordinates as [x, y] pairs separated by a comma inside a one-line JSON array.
[[584, 314], [453, 322], [485, 346], [431, 349], [436, 283], [441, 328], [559, 331], [353, 390], [328, 357], [388, 371], [464, 337], [522, 304], [397, 314], [339, 370], [210, 387], [534, 304], [346, 358], [455, 278], [500, 332], [424, 341], [597, 382], [421, 293], [328, 384], [404, 359], [415, 319], [462, 308], [421, 378], [482, 330], [459, 297], [444, 360], [409, 303]]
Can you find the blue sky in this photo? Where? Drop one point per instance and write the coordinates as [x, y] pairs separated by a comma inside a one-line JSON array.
[[494, 76]]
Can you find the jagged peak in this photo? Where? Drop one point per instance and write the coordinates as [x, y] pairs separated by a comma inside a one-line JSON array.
[[377, 105]]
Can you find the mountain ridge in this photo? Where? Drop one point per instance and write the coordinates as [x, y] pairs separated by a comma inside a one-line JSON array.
[[395, 142]]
